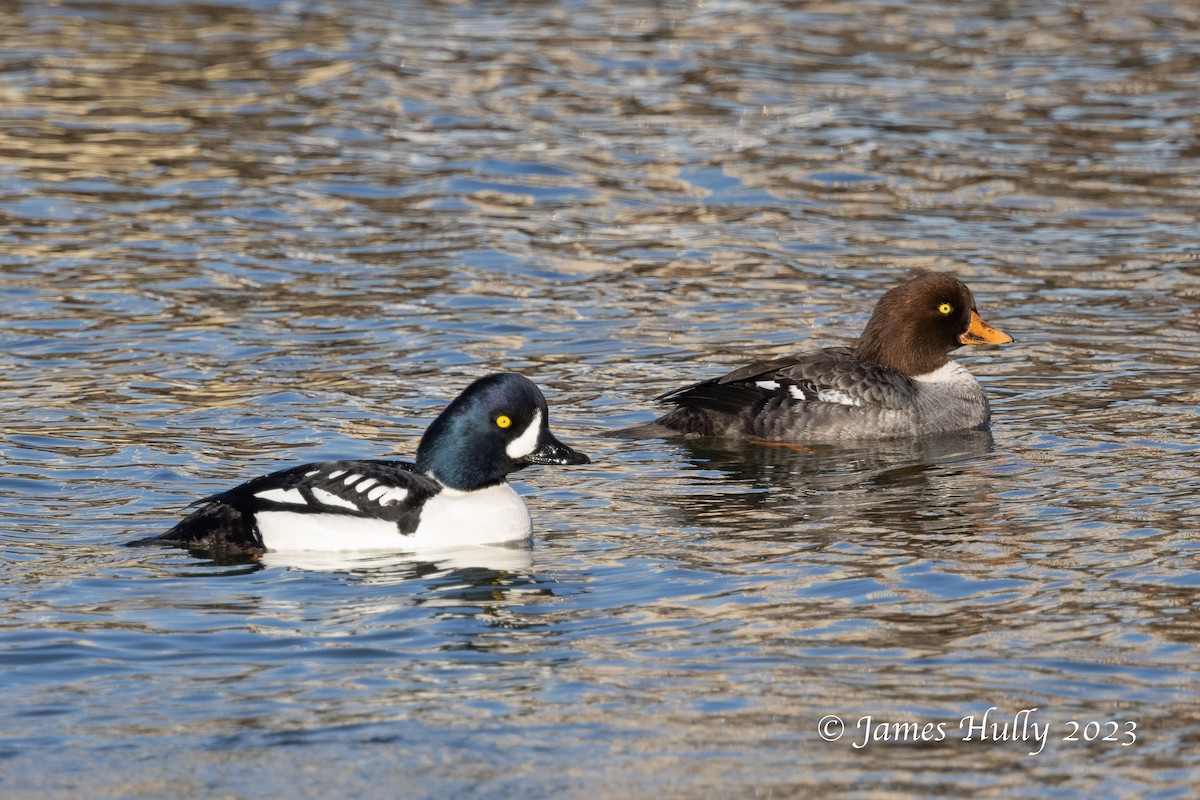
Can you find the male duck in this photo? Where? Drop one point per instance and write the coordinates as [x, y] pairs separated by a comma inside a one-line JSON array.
[[898, 380], [454, 495]]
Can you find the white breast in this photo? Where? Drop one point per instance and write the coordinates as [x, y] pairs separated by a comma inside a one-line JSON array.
[[950, 373], [451, 518]]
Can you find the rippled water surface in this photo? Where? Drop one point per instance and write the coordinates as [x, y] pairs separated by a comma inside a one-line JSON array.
[[239, 236]]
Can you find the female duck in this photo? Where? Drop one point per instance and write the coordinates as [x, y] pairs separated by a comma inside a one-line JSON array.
[[897, 381]]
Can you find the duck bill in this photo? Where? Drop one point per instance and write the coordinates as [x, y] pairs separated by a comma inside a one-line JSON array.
[[979, 332], [552, 451]]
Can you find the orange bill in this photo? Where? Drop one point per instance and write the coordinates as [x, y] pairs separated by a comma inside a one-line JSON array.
[[980, 332]]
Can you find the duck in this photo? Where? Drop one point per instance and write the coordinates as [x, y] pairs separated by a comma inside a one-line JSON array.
[[455, 494], [898, 380]]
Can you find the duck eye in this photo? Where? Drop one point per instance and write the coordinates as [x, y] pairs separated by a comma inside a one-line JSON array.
[[503, 421], [945, 308]]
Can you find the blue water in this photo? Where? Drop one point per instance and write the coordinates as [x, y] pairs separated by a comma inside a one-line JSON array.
[[237, 237]]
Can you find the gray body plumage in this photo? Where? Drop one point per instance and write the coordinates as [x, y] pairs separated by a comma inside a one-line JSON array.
[[876, 402]]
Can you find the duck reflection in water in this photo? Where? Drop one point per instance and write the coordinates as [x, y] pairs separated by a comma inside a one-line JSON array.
[[924, 485]]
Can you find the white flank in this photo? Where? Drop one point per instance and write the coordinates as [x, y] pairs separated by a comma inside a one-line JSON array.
[[288, 530], [526, 443], [767, 384], [283, 496], [331, 499], [448, 519]]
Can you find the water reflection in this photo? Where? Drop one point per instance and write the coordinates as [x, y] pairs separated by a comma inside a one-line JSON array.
[[902, 483], [236, 235], [393, 567]]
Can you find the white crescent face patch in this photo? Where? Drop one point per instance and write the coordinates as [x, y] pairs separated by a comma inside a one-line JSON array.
[[526, 443]]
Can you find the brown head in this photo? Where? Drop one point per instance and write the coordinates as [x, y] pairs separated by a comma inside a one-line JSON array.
[[916, 325]]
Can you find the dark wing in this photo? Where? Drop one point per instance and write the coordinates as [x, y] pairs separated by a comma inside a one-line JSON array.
[[830, 376], [390, 490]]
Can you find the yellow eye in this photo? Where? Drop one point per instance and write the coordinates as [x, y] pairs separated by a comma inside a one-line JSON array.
[[945, 308], [503, 421]]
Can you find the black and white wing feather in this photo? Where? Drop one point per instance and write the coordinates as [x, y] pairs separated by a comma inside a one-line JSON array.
[[386, 490], [831, 376], [825, 395]]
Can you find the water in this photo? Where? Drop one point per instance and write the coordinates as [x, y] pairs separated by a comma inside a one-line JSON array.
[[237, 237]]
